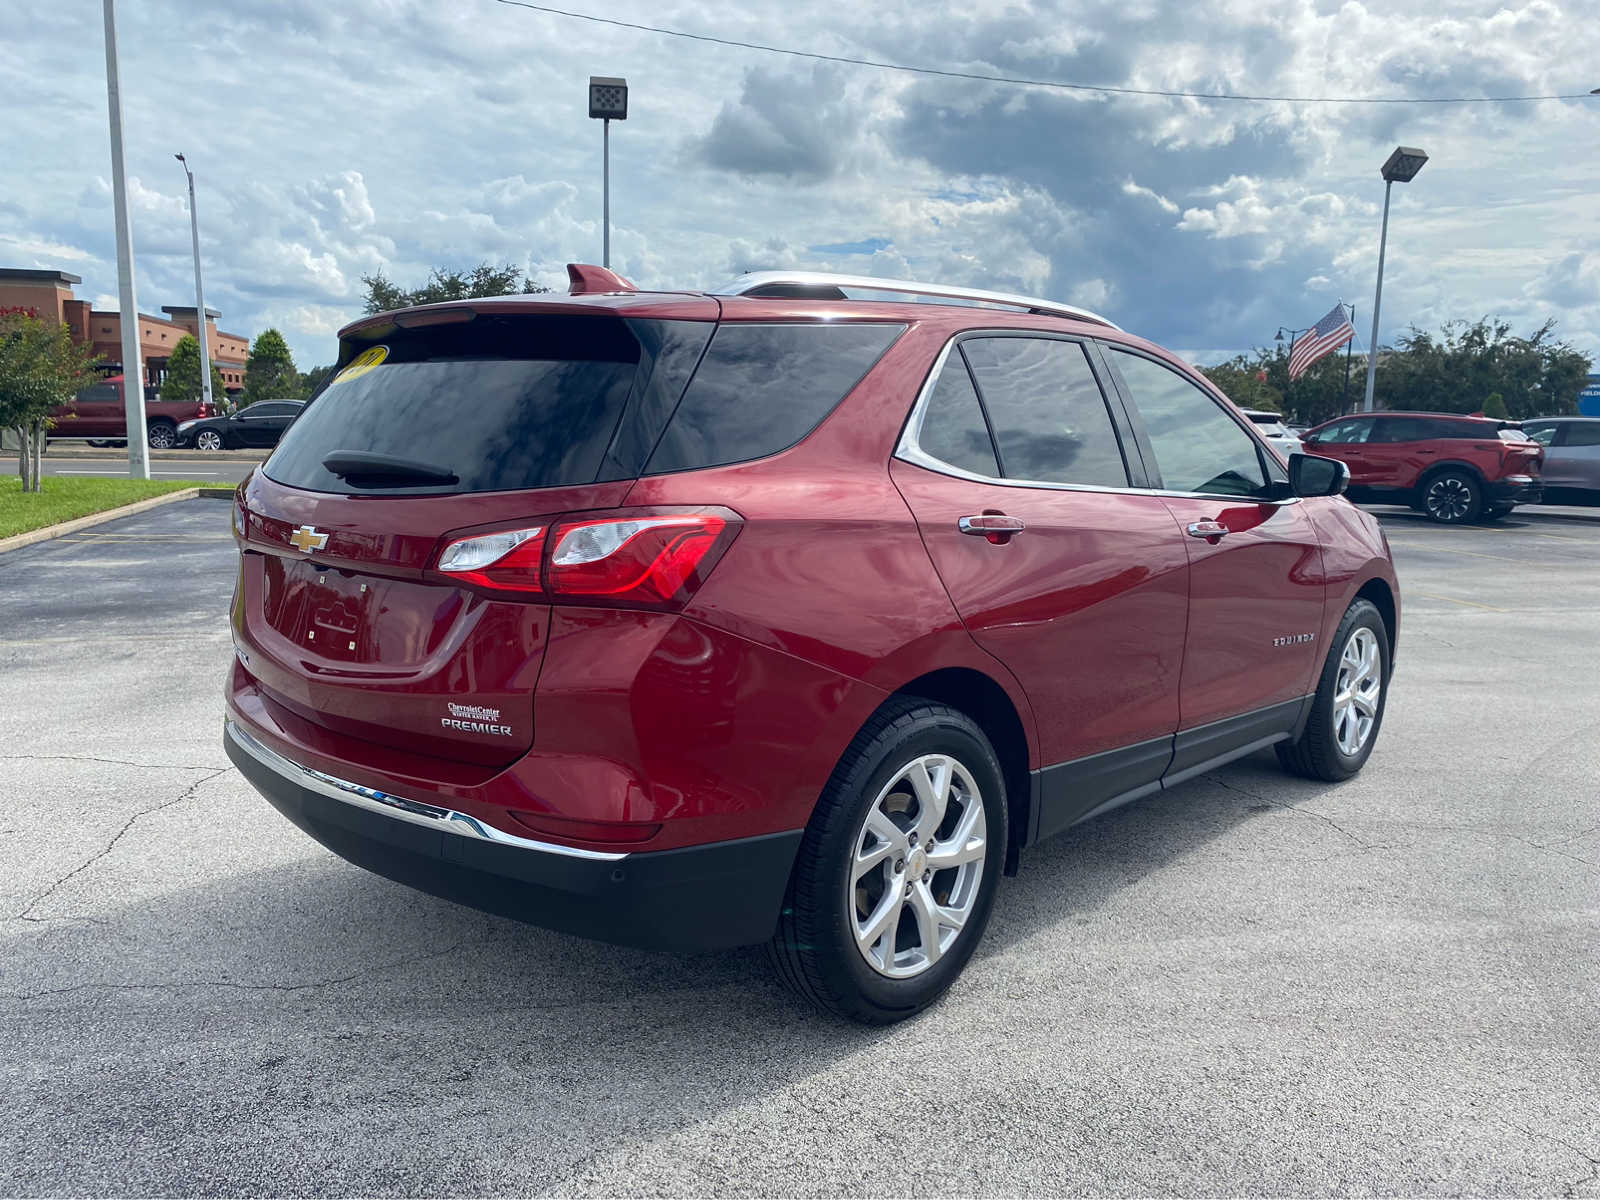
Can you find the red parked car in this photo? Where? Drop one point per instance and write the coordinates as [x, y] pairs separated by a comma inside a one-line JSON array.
[[1452, 467], [697, 620], [97, 413]]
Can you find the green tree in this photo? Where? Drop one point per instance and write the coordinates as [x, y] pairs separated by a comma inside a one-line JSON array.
[[41, 367], [269, 372], [1246, 383], [1494, 405], [1317, 395], [183, 374], [1460, 367], [485, 279], [313, 379]]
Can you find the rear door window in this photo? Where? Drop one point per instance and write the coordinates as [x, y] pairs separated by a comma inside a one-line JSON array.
[[762, 388], [953, 429], [503, 403], [1582, 433], [1346, 433], [1050, 420]]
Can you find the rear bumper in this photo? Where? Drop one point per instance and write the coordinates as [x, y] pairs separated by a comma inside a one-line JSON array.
[[1514, 489], [697, 898]]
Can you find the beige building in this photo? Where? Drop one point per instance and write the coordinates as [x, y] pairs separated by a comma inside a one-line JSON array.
[[49, 293]]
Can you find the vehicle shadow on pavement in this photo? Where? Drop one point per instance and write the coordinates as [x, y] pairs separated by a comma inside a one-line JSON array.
[[310, 993]]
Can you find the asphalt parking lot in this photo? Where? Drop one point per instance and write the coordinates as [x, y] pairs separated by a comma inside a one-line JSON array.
[[1251, 984]]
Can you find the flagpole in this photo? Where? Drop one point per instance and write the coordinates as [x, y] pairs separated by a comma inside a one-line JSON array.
[[1344, 405]]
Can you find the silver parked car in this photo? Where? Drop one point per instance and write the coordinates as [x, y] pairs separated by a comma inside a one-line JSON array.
[[1571, 457], [1270, 426]]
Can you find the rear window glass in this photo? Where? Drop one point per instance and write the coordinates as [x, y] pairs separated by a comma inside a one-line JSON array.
[[503, 403], [1583, 433], [100, 393], [762, 388]]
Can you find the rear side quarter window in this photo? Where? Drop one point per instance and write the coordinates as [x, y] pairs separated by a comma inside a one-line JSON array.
[[762, 388]]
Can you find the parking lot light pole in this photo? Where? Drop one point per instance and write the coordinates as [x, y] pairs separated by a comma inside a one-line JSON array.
[[199, 294], [132, 360], [1400, 167], [608, 102]]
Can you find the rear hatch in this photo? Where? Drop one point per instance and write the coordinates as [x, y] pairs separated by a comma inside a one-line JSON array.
[[1519, 453], [469, 421]]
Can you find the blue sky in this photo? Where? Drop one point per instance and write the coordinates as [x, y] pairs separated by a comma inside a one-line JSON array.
[[333, 141]]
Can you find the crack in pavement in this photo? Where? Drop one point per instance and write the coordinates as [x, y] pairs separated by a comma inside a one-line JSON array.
[[1571, 1189], [115, 762], [180, 984], [187, 793], [1222, 783]]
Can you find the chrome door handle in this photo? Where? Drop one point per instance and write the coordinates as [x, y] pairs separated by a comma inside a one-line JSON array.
[[985, 524], [1212, 531]]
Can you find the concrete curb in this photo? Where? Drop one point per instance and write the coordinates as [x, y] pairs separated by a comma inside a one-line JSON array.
[[49, 532]]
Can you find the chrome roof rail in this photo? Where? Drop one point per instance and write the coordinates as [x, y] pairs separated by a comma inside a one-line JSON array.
[[777, 283]]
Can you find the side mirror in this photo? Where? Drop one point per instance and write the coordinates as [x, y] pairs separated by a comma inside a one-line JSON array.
[[1312, 475]]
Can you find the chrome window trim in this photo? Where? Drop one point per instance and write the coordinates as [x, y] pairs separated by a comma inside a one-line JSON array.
[[909, 450], [429, 816]]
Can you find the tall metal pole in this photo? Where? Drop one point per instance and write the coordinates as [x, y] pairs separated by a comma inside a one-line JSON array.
[[605, 259], [1344, 402], [1377, 301], [199, 295], [132, 361]]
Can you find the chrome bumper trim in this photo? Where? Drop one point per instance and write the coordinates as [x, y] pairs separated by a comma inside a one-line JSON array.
[[431, 816]]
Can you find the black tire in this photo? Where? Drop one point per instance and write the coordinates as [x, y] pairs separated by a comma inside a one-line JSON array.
[[814, 950], [1452, 497], [1498, 512], [163, 435], [1316, 754]]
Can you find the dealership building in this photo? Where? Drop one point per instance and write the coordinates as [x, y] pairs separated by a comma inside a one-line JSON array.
[[49, 293]]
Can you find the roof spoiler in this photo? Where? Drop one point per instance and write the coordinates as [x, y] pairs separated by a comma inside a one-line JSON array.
[[587, 278]]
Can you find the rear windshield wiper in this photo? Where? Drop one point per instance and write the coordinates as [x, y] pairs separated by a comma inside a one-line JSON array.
[[379, 470]]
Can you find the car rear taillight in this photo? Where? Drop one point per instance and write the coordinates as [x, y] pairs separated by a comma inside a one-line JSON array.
[[510, 560], [633, 558]]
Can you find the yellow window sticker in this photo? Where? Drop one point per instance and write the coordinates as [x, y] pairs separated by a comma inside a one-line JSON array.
[[362, 363]]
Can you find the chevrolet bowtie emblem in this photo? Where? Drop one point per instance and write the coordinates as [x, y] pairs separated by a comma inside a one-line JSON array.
[[308, 538]]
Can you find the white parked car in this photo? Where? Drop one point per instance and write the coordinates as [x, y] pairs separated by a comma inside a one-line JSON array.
[[1270, 425]]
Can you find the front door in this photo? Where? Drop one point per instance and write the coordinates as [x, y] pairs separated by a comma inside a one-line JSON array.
[[1016, 475], [1347, 441], [1256, 589]]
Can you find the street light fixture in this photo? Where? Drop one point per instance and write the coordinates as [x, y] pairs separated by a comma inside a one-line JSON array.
[[608, 102], [199, 295], [1400, 167]]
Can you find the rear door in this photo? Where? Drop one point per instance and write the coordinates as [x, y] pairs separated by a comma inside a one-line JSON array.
[[1255, 565], [1078, 584], [1400, 449], [344, 624], [262, 424]]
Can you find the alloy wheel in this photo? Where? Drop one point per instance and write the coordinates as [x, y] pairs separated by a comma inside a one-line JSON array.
[[1448, 499], [918, 863], [1357, 692], [208, 439], [162, 437]]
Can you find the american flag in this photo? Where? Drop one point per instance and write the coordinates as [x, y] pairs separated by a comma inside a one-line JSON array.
[[1322, 339]]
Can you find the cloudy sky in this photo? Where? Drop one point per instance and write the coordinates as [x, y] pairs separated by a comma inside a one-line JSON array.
[[336, 140]]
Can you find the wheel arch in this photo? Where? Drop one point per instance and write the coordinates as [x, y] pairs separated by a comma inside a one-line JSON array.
[[1381, 596], [1450, 464], [983, 699]]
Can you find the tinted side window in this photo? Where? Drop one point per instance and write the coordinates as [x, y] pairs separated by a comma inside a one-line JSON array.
[[761, 388], [1467, 431], [953, 428], [1050, 421], [1408, 429], [1346, 433], [100, 393], [1582, 433], [1199, 448]]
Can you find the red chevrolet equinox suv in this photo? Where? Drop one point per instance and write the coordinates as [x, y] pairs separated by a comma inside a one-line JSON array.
[[1453, 468], [781, 614]]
